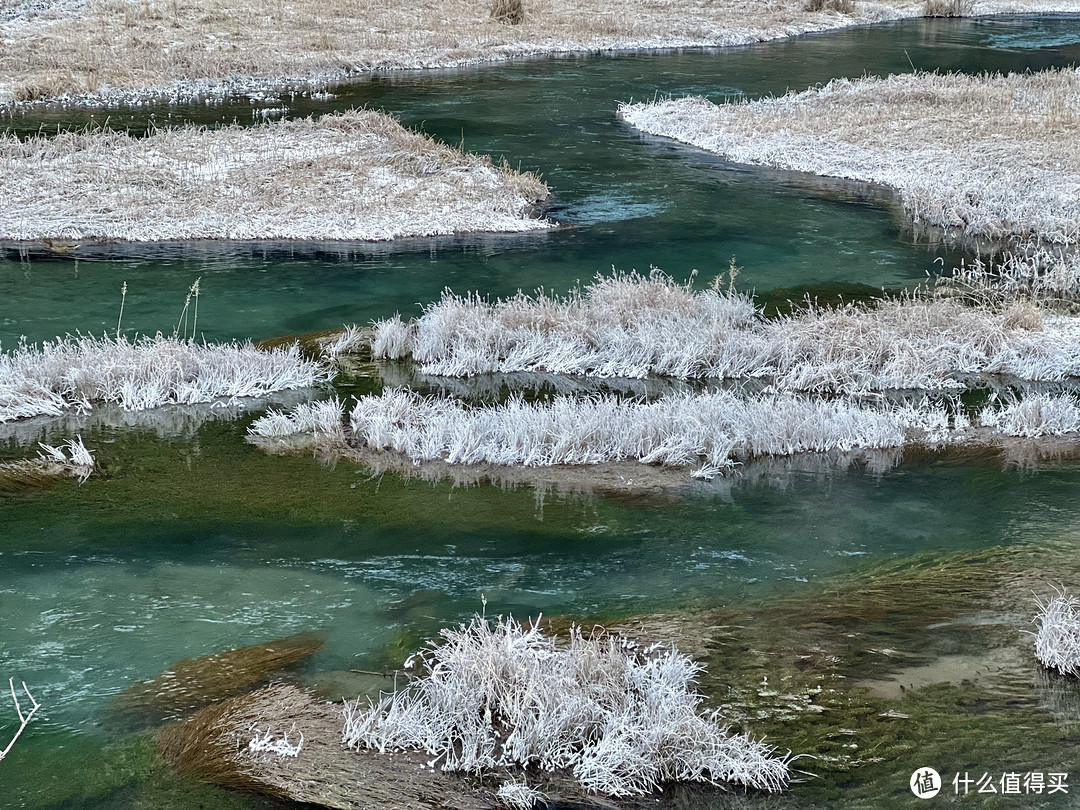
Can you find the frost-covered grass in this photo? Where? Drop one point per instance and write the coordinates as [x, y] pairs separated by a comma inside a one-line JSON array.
[[714, 430], [639, 326], [83, 372], [109, 48], [1030, 272], [621, 720], [1034, 416], [357, 175], [70, 460], [988, 156], [1057, 638]]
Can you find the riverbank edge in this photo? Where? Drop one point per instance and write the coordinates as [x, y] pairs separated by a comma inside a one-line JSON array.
[[180, 91]]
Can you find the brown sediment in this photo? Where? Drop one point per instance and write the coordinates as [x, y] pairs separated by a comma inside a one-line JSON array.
[[310, 342], [192, 683]]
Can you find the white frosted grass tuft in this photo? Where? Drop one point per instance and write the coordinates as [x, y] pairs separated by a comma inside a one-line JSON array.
[[1057, 638], [636, 326], [1030, 272], [349, 339], [990, 156], [323, 419], [518, 795], [621, 720], [714, 430], [81, 372], [1034, 416], [72, 459], [282, 746], [357, 175]]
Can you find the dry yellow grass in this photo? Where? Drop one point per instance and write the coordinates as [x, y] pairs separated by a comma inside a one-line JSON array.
[[188, 47]]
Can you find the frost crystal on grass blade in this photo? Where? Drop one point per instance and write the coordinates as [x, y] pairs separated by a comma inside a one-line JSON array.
[[717, 428], [518, 795], [81, 372], [637, 326], [621, 720], [1057, 640], [267, 742]]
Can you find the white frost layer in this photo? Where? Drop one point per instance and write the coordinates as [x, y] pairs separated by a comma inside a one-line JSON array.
[[623, 721], [123, 50], [81, 372], [1057, 639], [990, 155], [358, 175], [714, 430], [639, 326]]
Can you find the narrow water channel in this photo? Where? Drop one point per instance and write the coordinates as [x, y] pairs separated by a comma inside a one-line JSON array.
[[193, 542], [626, 200]]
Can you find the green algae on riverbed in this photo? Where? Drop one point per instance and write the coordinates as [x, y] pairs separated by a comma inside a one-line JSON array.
[[95, 774], [946, 632]]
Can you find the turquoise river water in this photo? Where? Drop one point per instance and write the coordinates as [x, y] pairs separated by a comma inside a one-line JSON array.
[[190, 541]]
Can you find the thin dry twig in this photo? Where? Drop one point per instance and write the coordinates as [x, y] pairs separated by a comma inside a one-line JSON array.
[[24, 719]]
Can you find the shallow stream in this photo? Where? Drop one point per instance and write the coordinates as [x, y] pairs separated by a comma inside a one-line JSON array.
[[813, 576]]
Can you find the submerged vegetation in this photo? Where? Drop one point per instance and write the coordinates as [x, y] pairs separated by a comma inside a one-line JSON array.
[[358, 175], [83, 372], [985, 156], [193, 683], [214, 745], [70, 460]]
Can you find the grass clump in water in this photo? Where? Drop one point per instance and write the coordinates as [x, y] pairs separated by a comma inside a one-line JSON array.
[[52, 464], [192, 683], [1057, 639], [621, 720]]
